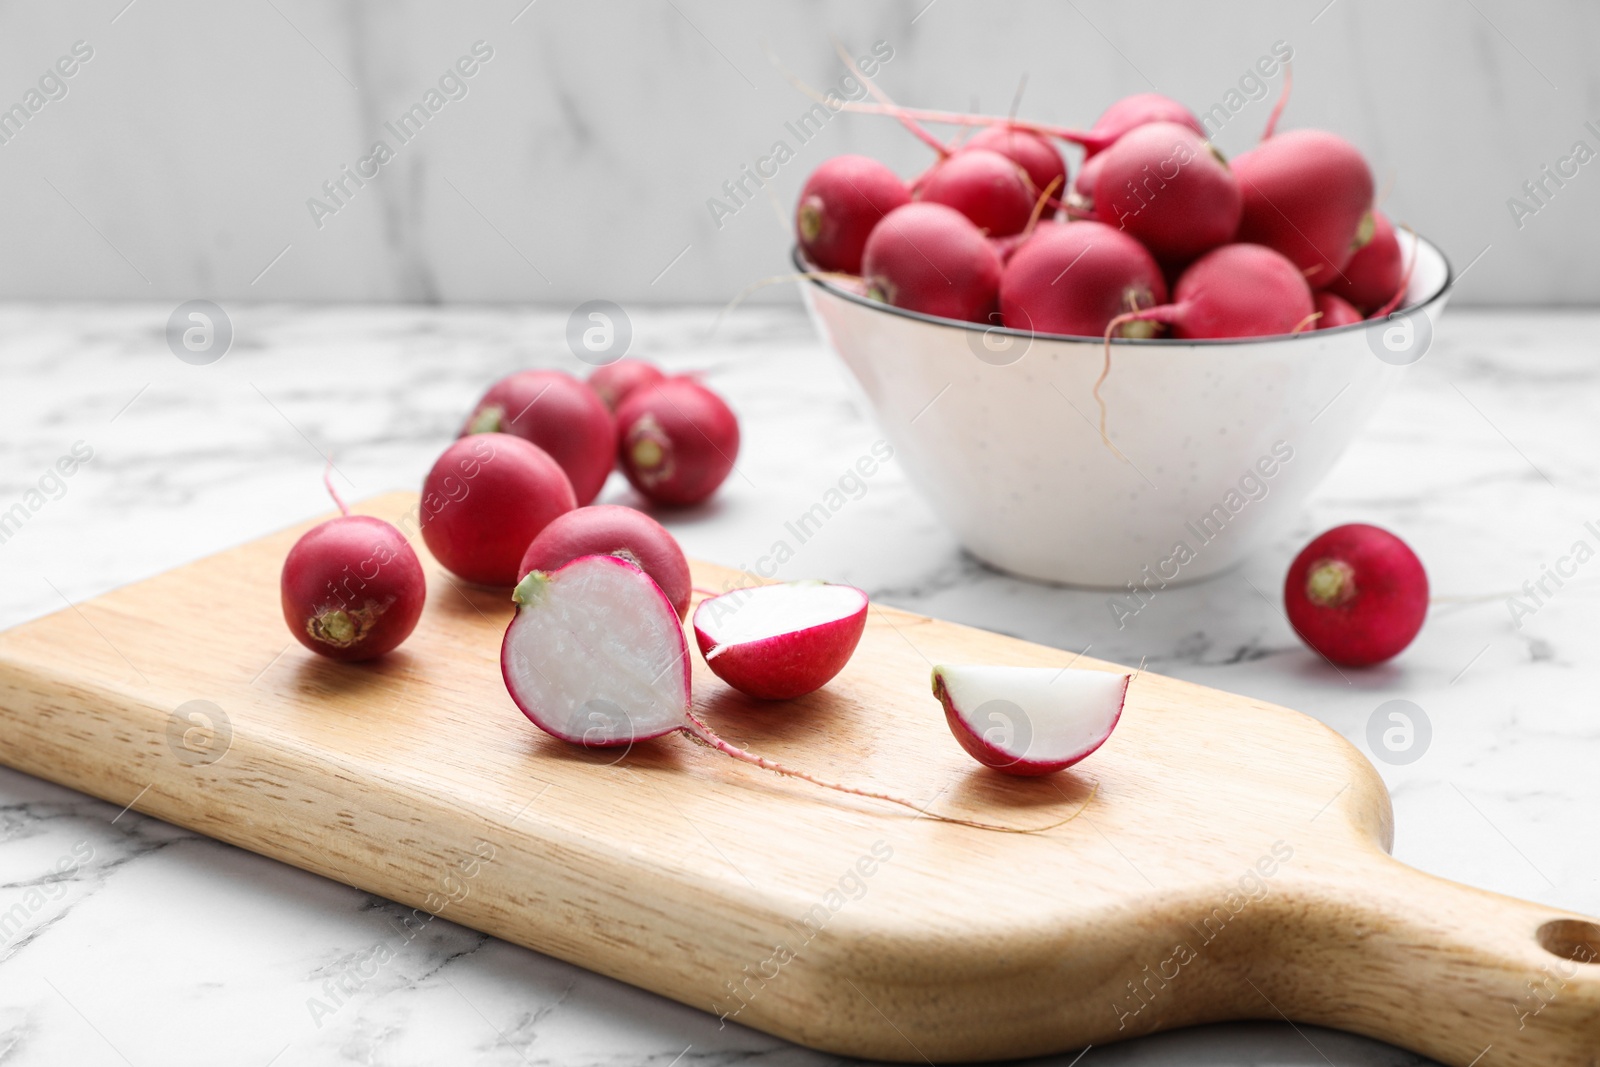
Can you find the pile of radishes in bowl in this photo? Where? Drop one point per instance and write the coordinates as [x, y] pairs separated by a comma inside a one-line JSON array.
[[595, 653], [1156, 234]]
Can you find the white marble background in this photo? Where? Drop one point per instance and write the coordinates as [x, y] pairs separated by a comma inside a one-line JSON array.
[[578, 166], [168, 948]]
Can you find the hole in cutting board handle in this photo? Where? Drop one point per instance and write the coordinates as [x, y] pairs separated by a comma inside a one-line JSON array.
[[1571, 939]]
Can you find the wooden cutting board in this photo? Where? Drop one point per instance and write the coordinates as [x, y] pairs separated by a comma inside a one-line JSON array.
[[1227, 860]]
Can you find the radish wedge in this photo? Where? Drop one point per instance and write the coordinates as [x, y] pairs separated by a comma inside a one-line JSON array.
[[777, 642], [596, 655], [1029, 720]]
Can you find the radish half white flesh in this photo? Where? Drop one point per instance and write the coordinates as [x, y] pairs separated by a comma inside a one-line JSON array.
[[1029, 720], [777, 642], [596, 654]]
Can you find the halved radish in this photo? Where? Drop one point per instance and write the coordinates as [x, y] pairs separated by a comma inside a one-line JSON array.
[[778, 642], [1029, 720]]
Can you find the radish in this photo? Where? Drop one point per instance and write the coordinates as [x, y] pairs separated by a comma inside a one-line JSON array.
[[984, 186], [1357, 594], [596, 656], [676, 441], [1131, 112], [614, 381], [778, 642], [1082, 196], [1375, 268], [561, 415], [931, 258], [1334, 311], [352, 587], [611, 530], [1034, 154], [1075, 278], [1234, 291], [1305, 194], [839, 205], [486, 497], [1167, 186], [1030, 720]]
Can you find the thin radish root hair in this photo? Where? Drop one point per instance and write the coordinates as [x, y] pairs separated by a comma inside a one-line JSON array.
[[1283, 99]]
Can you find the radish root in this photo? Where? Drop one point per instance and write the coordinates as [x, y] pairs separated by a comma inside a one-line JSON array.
[[327, 483], [1283, 98]]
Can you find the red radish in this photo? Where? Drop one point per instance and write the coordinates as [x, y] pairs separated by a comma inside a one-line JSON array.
[[561, 415], [1305, 195], [487, 496], [931, 258], [614, 381], [1082, 195], [611, 530], [1375, 268], [352, 587], [1234, 291], [1030, 720], [1334, 311], [984, 186], [1357, 594], [778, 642], [596, 656], [1168, 187], [1035, 155], [1131, 112], [839, 205], [676, 441], [1075, 278]]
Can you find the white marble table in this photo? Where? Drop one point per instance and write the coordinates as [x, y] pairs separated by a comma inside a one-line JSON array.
[[162, 947]]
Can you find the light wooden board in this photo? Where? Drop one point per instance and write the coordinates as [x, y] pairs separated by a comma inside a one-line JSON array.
[[836, 922]]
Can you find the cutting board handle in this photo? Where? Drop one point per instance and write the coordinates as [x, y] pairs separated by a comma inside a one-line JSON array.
[[1468, 977]]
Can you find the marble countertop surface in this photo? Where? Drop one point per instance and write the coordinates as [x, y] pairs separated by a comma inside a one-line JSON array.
[[159, 946]]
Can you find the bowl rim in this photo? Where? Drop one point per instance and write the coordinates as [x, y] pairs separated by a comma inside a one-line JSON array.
[[1435, 297]]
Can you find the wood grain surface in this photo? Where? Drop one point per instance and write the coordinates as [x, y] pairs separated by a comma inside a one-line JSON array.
[[1227, 860]]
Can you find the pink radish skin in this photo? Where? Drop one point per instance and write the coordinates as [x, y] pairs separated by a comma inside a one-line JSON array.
[[931, 258], [1334, 311], [1082, 197], [1036, 156], [1235, 291], [1165, 185], [611, 530], [352, 588], [614, 381], [676, 441], [1373, 274], [778, 642], [984, 186], [561, 415], [1131, 112], [487, 496], [839, 205], [1030, 721], [1075, 278], [1305, 193]]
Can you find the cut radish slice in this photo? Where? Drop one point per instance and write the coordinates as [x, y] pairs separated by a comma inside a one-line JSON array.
[[1030, 720], [777, 642], [596, 654]]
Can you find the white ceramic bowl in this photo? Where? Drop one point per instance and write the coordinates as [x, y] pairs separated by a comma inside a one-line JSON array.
[[1219, 441]]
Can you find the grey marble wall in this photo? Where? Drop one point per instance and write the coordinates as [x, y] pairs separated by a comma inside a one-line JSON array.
[[181, 155]]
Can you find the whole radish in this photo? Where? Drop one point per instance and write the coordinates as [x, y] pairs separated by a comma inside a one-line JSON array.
[[352, 587], [486, 497], [1131, 112], [1357, 594], [778, 642], [676, 441], [1234, 291], [1373, 274], [1166, 185], [839, 205], [561, 415], [1075, 278], [614, 381], [984, 186], [1305, 193], [1034, 154], [611, 530], [1334, 310], [931, 258]]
